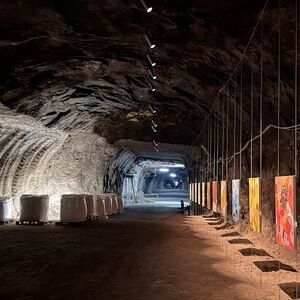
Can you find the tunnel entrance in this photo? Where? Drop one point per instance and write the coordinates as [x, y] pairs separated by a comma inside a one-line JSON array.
[[157, 183]]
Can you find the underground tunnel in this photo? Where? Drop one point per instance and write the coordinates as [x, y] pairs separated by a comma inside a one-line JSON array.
[[149, 149]]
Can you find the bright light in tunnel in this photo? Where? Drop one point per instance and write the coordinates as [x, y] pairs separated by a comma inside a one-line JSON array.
[[173, 175], [164, 170]]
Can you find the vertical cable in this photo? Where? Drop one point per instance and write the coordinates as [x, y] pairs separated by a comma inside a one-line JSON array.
[[234, 127], [227, 135], [278, 90], [251, 121], [241, 118], [218, 127], [223, 127]]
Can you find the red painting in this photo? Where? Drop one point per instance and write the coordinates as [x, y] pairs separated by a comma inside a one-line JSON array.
[[215, 195], [285, 195]]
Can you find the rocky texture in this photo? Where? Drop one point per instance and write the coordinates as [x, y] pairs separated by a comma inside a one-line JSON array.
[[77, 70]]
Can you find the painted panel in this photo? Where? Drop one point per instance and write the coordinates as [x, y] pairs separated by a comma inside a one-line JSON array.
[[235, 201], [285, 200], [203, 194], [215, 195], [208, 195], [199, 193], [224, 198], [254, 204]]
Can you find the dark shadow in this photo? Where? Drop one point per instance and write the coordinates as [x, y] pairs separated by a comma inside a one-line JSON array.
[[240, 241], [225, 226], [254, 252], [292, 289], [229, 234], [273, 266]]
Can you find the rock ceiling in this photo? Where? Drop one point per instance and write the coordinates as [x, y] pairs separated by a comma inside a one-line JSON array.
[[75, 64]]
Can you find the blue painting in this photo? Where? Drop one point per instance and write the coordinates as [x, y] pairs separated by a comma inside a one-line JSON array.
[[236, 191]]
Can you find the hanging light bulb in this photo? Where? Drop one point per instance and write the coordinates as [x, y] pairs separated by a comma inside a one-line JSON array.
[[152, 110], [152, 88], [153, 123], [151, 62], [154, 130], [153, 76], [147, 8], [155, 149], [148, 40], [154, 143]]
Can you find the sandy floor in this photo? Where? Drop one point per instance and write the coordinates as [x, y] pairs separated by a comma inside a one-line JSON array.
[[146, 253]]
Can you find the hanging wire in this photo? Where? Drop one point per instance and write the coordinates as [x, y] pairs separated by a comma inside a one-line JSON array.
[[223, 88], [296, 120], [223, 130], [234, 126], [218, 127], [251, 115], [227, 134], [241, 119]]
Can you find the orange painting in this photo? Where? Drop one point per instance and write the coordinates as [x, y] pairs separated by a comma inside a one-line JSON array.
[[254, 204], [215, 195], [224, 198], [285, 195], [208, 195]]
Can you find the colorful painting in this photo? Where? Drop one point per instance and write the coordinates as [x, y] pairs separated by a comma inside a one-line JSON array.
[[254, 204], [208, 195], [199, 193], [235, 201], [224, 198], [203, 194], [285, 199], [215, 195]]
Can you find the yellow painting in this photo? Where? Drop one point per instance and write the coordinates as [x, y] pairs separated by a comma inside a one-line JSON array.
[[208, 195], [224, 198], [203, 194], [254, 204]]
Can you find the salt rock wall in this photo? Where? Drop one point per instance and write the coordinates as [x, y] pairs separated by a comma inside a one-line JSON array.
[[38, 160]]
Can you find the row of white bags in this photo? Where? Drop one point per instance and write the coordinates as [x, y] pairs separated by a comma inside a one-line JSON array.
[[74, 208]]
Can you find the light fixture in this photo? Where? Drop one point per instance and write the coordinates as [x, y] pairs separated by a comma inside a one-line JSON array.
[[151, 108], [148, 40], [147, 8], [154, 130], [154, 143], [153, 76], [173, 175], [154, 124], [164, 170], [155, 148], [151, 62], [152, 88]]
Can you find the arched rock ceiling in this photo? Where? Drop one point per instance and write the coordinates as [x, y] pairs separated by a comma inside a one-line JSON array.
[[78, 63]]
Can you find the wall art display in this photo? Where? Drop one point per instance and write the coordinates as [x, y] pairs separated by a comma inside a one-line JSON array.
[[224, 198], [208, 195], [254, 204], [235, 201], [215, 196], [285, 207], [203, 194]]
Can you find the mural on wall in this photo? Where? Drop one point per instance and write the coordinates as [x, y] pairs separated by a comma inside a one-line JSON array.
[[236, 192], [203, 194], [199, 194], [224, 198], [208, 195], [215, 196], [254, 204], [285, 200]]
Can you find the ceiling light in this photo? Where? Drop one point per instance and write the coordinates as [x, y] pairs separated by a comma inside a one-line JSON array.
[[164, 170], [155, 148], [148, 40], [147, 8], [155, 144], [154, 124], [153, 76], [154, 130], [151, 62], [173, 175], [152, 88], [151, 108]]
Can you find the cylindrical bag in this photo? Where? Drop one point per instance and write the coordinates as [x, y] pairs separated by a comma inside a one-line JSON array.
[[73, 208], [34, 208], [5, 209]]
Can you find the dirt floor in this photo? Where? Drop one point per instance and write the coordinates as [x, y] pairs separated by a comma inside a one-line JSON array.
[[145, 253]]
